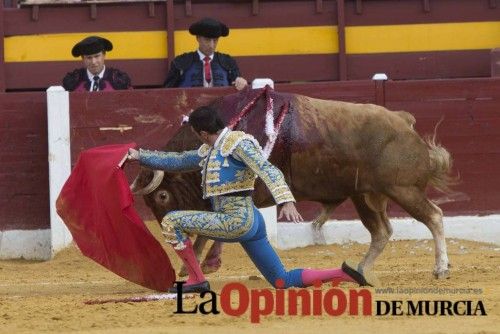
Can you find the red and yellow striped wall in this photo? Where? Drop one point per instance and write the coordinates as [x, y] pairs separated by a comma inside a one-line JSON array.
[[286, 40]]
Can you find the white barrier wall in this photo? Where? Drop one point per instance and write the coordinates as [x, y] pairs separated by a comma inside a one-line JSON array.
[[25, 244], [475, 228], [59, 160]]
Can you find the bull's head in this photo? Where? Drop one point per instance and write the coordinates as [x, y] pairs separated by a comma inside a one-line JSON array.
[[164, 192]]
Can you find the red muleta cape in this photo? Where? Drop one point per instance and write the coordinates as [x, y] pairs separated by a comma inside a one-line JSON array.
[[96, 205]]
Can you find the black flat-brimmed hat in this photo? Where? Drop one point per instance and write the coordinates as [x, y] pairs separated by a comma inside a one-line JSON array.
[[209, 28], [91, 45]]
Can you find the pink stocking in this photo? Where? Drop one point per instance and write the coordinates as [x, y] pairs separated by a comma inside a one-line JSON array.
[[310, 276], [195, 275]]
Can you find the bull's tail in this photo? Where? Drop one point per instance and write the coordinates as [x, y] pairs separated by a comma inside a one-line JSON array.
[[441, 164]]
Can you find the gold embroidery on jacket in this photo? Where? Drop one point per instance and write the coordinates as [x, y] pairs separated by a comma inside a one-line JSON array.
[[232, 139], [270, 175], [203, 150]]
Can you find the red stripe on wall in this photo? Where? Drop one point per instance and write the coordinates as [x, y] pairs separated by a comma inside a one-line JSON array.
[[40, 75], [420, 65], [152, 73], [24, 194]]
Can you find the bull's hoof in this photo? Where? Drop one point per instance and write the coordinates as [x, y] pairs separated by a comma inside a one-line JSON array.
[[209, 268], [183, 272], [317, 225], [362, 277], [441, 274]]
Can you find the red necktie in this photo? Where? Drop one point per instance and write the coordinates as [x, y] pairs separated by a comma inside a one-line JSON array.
[[208, 72]]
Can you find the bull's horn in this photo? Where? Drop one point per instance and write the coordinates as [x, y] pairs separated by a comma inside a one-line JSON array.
[[155, 182]]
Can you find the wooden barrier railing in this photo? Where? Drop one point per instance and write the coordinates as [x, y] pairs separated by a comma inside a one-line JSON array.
[[149, 117]]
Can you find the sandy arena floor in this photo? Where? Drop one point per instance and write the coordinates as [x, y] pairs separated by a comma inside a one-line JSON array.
[[49, 296]]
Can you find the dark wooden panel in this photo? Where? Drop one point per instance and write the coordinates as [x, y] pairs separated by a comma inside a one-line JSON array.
[[2, 33], [24, 195], [420, 65], [382, 12], [290, 68], [135, 17], [238, 14], [76, 18], [441, 91], [154, 115], [362, 91], [41, 75], [152, 73], [469, 131], [11, 119], [495, 62]]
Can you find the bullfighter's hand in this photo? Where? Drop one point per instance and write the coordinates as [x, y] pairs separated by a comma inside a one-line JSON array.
[[240, 83], [290, 212], [132, 154]]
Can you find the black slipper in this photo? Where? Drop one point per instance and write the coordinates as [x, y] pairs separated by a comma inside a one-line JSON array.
[[192, 288], [352, 269]]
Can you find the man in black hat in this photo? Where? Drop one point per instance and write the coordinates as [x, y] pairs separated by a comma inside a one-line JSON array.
[[95, 76], [205, 67]]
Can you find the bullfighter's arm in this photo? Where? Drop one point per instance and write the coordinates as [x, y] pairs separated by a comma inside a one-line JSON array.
[[251, 155], [170, 161]]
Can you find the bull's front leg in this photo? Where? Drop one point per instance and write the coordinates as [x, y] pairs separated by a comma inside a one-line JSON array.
[[326, 212], [212, 260], [198, 247]]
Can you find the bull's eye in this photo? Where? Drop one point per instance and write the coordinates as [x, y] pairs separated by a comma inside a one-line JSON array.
[[162, 197]]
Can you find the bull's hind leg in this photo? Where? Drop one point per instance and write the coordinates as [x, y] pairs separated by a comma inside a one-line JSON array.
[[372, 212], [413, 200]]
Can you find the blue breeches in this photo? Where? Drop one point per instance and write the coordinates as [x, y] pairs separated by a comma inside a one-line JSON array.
[[234, 219]]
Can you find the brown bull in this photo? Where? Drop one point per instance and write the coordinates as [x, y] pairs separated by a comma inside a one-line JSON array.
[[329, 152]]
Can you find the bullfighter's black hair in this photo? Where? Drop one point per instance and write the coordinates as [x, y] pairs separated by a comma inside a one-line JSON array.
[[206, 119]]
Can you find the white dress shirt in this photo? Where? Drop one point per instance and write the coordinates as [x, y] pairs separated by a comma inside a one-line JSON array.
[[91, 77]]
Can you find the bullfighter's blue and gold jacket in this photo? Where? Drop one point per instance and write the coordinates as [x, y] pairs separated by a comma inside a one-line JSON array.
[[230, 166]]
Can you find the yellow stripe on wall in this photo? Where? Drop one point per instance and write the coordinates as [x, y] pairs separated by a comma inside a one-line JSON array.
[[422, 37], [57, 47], [268, 41], [153, 44]]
